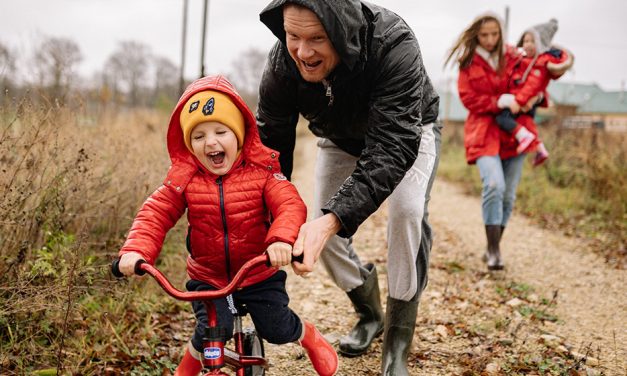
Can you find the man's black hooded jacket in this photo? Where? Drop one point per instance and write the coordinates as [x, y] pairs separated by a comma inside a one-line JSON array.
[[380, 95]]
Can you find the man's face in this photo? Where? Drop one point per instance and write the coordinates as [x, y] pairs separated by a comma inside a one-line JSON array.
[[308, 43]]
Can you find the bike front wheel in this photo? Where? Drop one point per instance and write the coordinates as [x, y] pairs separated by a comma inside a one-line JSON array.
[[253, 346]]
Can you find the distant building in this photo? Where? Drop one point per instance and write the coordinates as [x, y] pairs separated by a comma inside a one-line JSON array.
[[452, 111], [611, 107], [571, 105]]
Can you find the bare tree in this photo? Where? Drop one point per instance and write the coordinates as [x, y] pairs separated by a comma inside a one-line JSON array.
[[127, 69], [166, 81], [7, 68], [55, 60], [246, 74]]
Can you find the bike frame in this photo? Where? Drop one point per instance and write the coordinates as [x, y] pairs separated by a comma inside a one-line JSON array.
[[215, 355]]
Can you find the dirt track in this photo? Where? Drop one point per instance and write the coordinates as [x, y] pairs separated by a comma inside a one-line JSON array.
[[469, 320]]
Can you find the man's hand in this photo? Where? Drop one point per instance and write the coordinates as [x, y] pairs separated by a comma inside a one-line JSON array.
[[312, 237], [279, 253], [128, 261]]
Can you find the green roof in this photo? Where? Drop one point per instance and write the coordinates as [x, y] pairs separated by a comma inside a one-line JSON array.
[[572, 93], [589, 98], [611, 102]]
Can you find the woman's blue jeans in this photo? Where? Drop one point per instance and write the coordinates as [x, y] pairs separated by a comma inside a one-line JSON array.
[[500, 179]]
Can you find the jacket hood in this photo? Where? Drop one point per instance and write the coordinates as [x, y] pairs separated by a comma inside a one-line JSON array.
[[343, 21], [252, 150], [542, 35]]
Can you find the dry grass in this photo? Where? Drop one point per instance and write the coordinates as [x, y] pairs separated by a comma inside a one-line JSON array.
[[580, 190], [70, 185]]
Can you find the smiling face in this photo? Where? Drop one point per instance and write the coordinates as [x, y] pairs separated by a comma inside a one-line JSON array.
[[489, 35], [215, 146], [308, 43], [529, 44]]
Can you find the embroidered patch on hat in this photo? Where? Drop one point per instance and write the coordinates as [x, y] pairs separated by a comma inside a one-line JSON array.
[[208, 108], [279, 176], [194, 106]]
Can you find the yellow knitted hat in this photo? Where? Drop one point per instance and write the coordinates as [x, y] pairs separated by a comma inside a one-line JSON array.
[[211, 106]]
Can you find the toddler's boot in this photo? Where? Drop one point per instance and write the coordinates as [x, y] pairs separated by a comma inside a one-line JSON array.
[[190, 364], [541, 155], [524, 138], [321, 354]]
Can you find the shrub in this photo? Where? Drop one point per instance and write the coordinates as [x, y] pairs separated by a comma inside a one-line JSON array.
[[70, 186]]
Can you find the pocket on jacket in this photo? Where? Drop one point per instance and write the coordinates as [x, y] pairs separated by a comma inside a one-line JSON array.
[[476, 131]]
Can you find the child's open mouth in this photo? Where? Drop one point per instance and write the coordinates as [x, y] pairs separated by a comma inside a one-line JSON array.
[[216, 157]]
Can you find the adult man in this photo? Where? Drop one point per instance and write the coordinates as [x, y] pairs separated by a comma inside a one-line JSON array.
[[354, 71]]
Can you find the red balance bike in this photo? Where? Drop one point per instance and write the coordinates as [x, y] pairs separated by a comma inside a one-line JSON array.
[[247, 359]]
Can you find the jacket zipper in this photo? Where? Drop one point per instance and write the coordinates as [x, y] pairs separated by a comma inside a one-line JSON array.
[[225, 228], [329, 91]]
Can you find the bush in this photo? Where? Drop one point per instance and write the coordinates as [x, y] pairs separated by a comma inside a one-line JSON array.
[[70, 186]]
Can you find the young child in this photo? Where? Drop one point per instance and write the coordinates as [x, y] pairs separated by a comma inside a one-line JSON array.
[[230, 185], [540, 63]]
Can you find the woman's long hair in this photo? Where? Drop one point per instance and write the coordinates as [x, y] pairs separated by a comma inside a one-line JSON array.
[[464, 48]]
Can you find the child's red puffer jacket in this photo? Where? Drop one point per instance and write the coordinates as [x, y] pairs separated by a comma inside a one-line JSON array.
[[547, 66], [232, 218]]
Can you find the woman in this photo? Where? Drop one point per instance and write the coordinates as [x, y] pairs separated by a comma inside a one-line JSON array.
[[485, 64]]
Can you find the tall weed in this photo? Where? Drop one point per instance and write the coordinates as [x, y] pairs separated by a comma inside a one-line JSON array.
[[69, 188]]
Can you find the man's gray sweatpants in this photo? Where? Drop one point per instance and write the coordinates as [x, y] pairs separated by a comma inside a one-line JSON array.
[[409, 233]]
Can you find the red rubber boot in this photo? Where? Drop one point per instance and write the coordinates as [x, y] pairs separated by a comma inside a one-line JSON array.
[[321, 354], [189, 365]]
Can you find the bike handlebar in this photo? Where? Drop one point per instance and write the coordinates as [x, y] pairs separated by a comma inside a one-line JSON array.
[[115, 268], [142, 267]]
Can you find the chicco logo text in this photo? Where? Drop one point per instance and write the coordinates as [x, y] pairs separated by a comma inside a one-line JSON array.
[[212, 353]]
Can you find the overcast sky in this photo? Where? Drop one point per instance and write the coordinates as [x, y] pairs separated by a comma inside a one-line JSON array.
[[595, 30]]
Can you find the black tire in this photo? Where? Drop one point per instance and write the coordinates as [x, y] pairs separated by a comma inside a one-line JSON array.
[[253, 345]]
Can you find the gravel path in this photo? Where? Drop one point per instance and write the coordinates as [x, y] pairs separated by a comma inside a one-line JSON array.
[[556, 306], [591, 298]]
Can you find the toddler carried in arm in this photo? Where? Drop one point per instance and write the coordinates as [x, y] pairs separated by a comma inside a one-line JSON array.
[[540, 63]]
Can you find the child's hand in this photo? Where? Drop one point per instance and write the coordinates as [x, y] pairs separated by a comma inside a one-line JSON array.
[[529, 105], [128, 261], [280, 254], [514, 107]]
